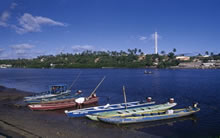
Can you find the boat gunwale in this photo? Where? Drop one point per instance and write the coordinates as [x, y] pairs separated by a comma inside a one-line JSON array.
[[191, 111], [125, 114], [93, 108]]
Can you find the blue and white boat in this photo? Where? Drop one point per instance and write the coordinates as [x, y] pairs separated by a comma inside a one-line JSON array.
[[54, 91], [105, 108], [149, 116]]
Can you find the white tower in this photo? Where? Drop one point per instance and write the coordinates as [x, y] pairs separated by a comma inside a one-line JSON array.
[[155, 38]]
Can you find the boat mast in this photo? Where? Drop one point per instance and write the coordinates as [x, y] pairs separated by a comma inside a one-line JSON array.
[[125, 97], [74, 81], [97, 86]]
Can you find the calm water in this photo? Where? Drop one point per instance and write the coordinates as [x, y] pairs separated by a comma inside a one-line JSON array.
[[186, 86]]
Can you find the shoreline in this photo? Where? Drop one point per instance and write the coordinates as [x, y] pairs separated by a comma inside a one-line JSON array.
[[8, 96], [124, 68], [16, 120]]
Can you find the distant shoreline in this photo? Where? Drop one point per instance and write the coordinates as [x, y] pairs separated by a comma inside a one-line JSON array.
[[123, 68]]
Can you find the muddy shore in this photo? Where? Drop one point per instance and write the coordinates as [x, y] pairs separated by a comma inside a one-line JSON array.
[[16, 120]]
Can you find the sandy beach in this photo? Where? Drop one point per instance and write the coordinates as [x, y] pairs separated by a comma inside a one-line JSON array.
[[16, 120]]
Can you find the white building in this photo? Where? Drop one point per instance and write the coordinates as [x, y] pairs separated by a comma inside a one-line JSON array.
[[183, 58], [208, 64], [206, 56], [5, 66]]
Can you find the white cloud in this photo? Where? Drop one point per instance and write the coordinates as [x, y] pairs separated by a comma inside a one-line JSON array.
[[142, 37], [22, 46], [29, 23], [3, 54], [103, 49], [3, 24], [81, 48], [149, 38], [4, 18], [1, 50], [5, 15], [13, 5], [22, 49]]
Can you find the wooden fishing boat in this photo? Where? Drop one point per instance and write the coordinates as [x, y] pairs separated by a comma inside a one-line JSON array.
[[57, 99], [62, 105], [54, 91], [79, 102], [123, 112], [148, 116], [52, 106], [107, 107]]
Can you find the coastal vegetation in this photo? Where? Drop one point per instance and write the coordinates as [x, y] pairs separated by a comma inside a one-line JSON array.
[[132, 58]]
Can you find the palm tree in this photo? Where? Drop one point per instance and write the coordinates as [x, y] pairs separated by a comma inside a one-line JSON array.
[[130, 51], [139, 51], [135, 51], [207, 53], [162, 52]]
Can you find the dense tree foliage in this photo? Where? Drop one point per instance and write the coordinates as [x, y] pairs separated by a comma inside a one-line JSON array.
[[133, 58]]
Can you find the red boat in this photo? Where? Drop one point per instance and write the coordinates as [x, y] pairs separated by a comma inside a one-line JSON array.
[[79, 102], [62, 105]]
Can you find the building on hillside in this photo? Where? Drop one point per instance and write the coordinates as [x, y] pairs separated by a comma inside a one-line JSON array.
[[52, 65], [209, 64], [96, 60], [217, 65], [141, 57], [5, 66], [183, 58], [42, 60], [196, 60], [206, 56], [190, 65]]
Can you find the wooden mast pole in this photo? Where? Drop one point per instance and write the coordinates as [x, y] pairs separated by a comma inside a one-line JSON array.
[[74, 81], [97, 86], [125, 97]]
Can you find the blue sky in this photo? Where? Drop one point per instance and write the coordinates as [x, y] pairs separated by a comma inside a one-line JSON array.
[[29, 28]]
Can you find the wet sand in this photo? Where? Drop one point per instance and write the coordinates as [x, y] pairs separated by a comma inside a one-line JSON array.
[[16, 120]]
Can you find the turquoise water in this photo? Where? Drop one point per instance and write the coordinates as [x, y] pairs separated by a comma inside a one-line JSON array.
[[185, 86]]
